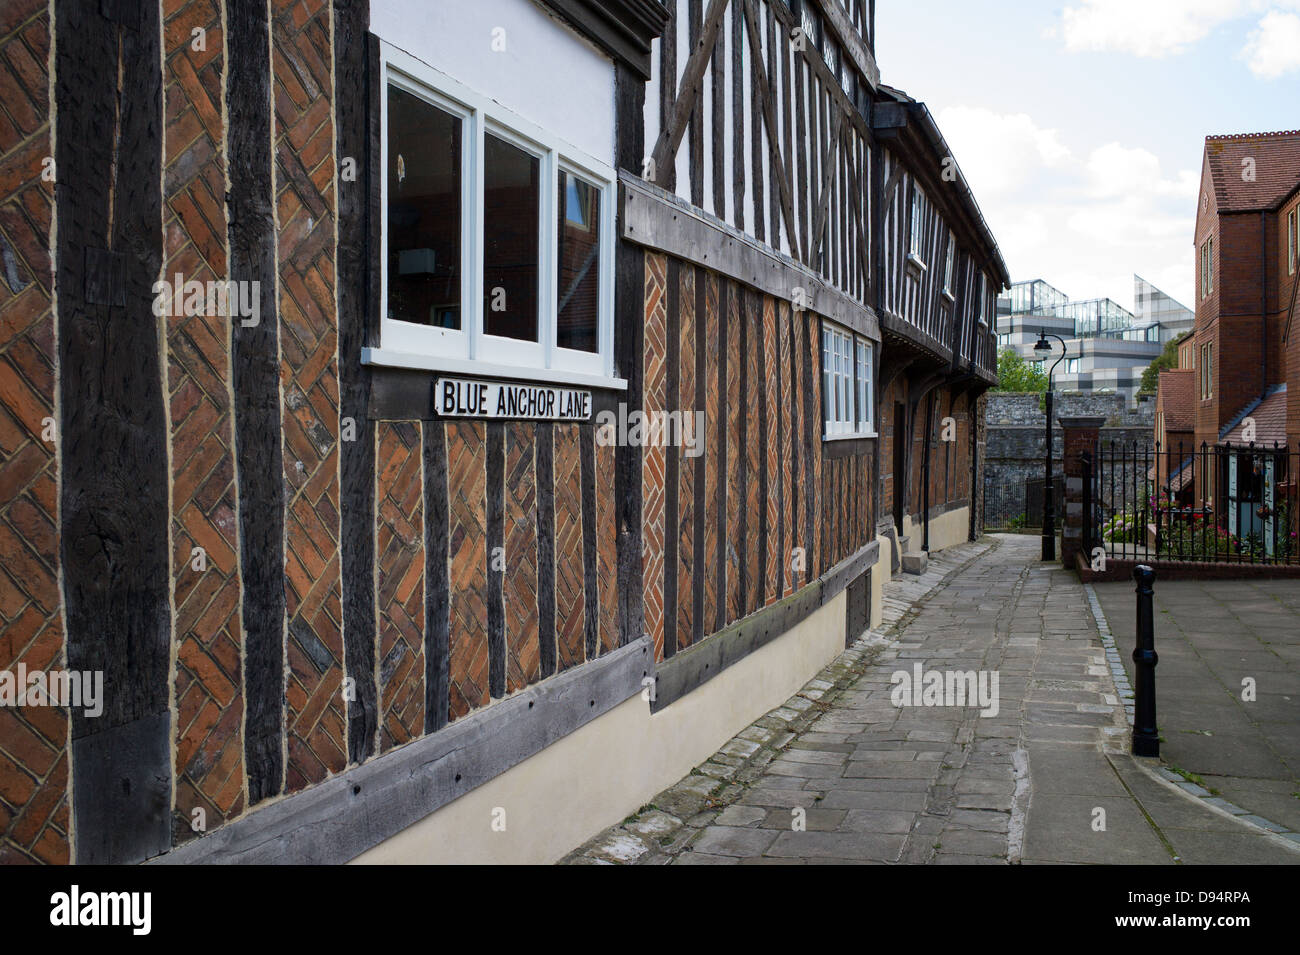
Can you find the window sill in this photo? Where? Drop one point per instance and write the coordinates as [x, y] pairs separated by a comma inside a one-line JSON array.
[[915, 262], [952, 299], [387, 358], [850, 436]]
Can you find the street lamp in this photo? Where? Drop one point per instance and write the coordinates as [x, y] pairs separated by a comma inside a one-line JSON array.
[[1044, 350]]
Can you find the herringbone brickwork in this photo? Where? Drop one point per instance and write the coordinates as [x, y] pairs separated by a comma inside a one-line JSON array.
[[686, 465], [570, 606], [399, 558], [814, 344], [755, 400], [519, 588], [467, 560], [789, 397], [205, 584], [606, 547], [715, 501], [799, 510], [34, 822], [735, 542], [304, 171], [654, 401], [772, 465]]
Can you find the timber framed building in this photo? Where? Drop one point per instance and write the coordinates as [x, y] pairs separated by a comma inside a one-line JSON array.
[[327, 335]]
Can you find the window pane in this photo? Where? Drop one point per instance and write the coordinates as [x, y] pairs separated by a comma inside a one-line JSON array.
[[511, 203], [424, 212], [827, 377], [578, 264]]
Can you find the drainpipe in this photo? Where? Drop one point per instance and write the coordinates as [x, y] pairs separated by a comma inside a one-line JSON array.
[[925, 472], [1263, 305]]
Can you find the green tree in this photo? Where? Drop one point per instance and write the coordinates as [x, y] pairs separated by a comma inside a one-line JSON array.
[[1167, 359], [1016, 374]]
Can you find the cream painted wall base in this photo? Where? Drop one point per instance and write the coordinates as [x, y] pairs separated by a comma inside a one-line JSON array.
[[879, 577], [591, 779], [946, 530]]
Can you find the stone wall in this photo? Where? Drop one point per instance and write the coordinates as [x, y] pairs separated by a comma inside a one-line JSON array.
[[1014, 431]]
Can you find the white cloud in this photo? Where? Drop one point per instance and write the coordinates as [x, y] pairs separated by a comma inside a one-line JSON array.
[[1273, 48], [1083, 222], [1147, 28]]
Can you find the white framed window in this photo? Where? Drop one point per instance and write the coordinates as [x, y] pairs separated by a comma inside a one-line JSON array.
[[949, 264], [915, 226], [982, 303], [848, 382], [497, 238]]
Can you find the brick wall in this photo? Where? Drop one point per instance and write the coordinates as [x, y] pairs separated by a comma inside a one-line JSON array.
[[34, 801]]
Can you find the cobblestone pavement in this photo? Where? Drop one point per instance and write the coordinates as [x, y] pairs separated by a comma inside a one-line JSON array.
[[838, 773]]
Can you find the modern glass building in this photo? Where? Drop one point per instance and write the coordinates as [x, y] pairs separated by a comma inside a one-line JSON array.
[[1107, 346]]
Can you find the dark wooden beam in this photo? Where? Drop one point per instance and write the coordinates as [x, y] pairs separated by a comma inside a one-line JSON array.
[[113, 468], [823, 204], [255, 369], [763, 87], [670, 136], [356, 124]]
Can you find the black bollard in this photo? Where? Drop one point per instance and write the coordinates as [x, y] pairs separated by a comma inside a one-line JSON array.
[[1146, 739]]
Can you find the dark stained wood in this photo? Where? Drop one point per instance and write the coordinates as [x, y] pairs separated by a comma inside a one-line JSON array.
[[758, 181], [801, 138], [773, 130], [496, 542], [674, 128], [629, 120], [764, 99], [697, 114], [622, 28], [354, 126], [546, 546], [738, 176], [743, 437], [717, 141], [823, 204], [113, 494], [721, 444], [590, 584], [437, 580], [672, 376], [667, 176], [255, 370], [709, 442]]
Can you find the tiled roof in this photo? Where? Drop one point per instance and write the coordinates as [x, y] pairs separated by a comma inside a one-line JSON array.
[[1269, 416], [1276, 169], [1175, 396]]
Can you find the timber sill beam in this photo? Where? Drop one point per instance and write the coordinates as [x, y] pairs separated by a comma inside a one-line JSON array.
[[656, 219], [690, 669], [337, 820]]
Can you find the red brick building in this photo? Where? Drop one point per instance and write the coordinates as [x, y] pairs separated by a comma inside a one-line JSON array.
[[1244, 355]]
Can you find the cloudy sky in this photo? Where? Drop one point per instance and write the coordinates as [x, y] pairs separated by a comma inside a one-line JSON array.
[[1080, 123]]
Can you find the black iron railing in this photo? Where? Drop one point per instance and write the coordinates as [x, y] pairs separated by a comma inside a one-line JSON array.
[[1220, 504]]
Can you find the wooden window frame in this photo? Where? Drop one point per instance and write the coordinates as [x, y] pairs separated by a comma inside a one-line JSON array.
[[843, 384]]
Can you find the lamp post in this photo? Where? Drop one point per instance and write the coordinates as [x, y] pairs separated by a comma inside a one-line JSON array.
[[1044, 348]]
